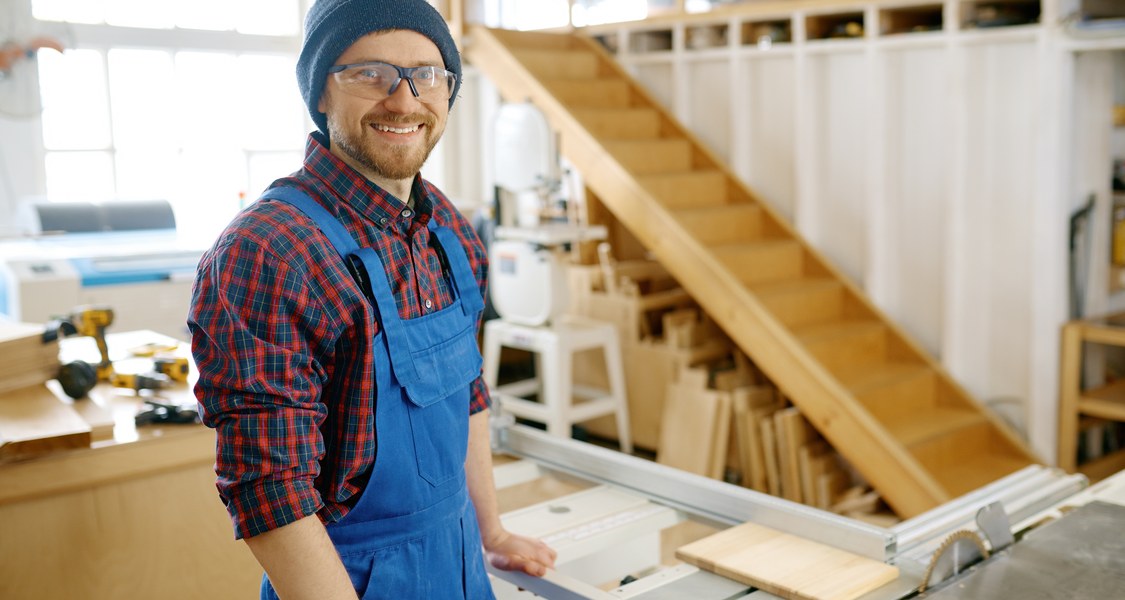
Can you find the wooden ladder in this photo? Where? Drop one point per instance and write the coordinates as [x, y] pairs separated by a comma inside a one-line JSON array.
[[883, 403]]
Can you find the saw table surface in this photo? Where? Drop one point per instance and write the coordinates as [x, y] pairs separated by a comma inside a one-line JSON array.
[[1080, 555]]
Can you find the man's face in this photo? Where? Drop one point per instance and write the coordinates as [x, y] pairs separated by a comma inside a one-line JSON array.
[[386, 139]]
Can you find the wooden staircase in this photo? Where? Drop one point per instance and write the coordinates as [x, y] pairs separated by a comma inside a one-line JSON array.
[[885, 405]]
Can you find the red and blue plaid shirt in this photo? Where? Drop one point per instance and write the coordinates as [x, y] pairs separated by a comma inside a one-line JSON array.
[[282, 336]]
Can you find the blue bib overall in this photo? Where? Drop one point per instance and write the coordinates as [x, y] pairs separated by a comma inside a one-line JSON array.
[[413, 533]]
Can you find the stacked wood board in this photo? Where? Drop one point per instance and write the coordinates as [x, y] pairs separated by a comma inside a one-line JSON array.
[[25, 359], [687, 383], [881, 399], [33, 420]]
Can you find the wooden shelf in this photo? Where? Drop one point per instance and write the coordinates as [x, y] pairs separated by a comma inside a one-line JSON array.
[[1077, 407], [1106, 402], [847, 25], [991, 14], [911, 19]]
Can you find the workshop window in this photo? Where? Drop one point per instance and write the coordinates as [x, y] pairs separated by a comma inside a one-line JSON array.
[[206, 121]]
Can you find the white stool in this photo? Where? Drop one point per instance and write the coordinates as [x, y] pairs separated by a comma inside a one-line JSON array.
[[554, 346]]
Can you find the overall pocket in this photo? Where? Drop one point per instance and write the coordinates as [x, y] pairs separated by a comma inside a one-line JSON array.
[[438, 406]]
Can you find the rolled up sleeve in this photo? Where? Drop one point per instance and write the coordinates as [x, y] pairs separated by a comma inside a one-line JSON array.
[[256, 333]]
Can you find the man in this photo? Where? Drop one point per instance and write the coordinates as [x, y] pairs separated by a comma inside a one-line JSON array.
[[334, 325]]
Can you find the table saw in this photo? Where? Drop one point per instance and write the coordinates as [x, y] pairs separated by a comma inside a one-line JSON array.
[[616, 521]]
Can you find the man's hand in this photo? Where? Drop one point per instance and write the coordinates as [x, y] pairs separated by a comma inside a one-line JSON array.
[[512, 552]]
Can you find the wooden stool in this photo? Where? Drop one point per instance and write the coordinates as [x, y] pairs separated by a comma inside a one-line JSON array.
[[554, 346]]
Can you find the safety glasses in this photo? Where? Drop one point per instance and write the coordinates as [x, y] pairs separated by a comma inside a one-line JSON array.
[[378, 80]]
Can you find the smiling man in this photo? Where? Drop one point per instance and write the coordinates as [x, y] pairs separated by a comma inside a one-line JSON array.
[[334, 325]]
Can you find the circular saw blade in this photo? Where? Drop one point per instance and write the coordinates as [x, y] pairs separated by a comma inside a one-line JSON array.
[[959, 550]]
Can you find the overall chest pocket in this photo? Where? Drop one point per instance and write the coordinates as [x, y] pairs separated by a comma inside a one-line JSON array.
[[438, 405]]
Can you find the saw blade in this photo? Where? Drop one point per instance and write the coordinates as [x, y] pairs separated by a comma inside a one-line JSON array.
[[959, 550]]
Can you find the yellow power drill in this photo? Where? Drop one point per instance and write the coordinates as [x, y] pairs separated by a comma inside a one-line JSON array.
[[91, 320]]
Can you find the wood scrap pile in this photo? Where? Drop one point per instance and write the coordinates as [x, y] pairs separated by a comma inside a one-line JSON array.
[[33, 420], [698, 403]]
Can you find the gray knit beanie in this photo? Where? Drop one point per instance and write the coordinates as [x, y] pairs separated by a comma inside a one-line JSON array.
[[333, 25]]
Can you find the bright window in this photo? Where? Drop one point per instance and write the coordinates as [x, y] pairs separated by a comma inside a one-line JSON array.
[[206, 125]]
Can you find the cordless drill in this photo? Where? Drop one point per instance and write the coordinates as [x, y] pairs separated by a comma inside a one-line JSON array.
[[91, 320]]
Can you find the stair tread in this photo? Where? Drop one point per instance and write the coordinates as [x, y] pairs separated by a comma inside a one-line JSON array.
[[764, 243], [725, 208], [837, 330], [966, 476], [930, 422], [792, 286], [883, 374]]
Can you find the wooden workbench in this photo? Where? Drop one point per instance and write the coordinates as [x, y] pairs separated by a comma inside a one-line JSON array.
[[133, 516]]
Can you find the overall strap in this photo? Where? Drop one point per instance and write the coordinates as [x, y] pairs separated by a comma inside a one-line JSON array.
[[372, 278], [464, 282]]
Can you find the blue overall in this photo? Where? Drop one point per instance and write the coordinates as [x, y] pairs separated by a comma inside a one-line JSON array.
[[413, 533]]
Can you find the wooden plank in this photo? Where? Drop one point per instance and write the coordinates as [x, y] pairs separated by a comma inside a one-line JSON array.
[[689, 419], [793, 432], [769, 455], [621, 123], [721, 439], [812, 461], [34, 422], [786, 565], [749, 439]]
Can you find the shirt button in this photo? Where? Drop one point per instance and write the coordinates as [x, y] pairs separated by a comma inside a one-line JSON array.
[[406, 213], [429, 304], [383, 221]]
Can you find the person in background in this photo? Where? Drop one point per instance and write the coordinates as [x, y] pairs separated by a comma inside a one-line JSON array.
[[334, 323]]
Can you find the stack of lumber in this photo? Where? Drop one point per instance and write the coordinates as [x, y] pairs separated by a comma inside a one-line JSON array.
[[33, 420], [26, 359], [697, 402], [636, 296]]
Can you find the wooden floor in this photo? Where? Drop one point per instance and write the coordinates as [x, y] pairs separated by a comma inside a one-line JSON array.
[[870, 390]]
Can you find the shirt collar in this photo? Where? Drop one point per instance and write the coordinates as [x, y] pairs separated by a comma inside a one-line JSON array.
[[367, 198]]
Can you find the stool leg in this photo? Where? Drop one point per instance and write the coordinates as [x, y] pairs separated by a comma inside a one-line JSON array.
[[555, 385], [612, 351], [491, 356]]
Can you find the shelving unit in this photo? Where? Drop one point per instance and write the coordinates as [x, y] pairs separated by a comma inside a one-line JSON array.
[[1081, 408]]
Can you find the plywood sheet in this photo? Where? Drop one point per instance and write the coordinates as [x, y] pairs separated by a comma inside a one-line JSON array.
[[33, 421], [786, 565]]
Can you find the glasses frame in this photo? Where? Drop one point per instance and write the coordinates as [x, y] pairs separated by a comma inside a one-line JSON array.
[[406, 73]]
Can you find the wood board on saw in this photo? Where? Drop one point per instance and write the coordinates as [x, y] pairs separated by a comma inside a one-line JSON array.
[[786, 565]]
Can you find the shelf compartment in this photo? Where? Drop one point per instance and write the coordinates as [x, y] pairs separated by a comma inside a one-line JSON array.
[[703, 37], [911, 19], [989, 14], [1106, 402], [834, 26], [764, 34], [653, 40]]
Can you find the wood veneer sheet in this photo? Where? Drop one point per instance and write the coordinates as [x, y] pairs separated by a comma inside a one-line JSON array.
[[786, 565]]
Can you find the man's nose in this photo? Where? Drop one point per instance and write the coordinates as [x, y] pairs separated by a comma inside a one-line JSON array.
[[402, 99]]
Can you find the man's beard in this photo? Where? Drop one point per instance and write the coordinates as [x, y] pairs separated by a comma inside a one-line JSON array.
[[388, 161]]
